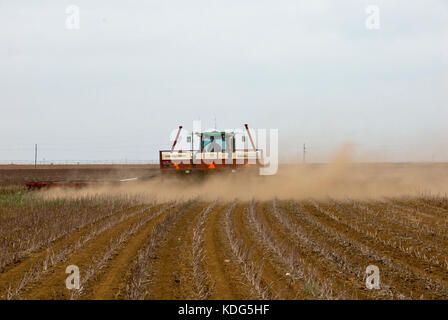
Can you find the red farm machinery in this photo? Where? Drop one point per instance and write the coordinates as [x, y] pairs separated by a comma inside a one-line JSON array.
[[50, 184], [216, 151]]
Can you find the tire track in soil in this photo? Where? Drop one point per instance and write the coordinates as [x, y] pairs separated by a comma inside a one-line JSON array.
[[219, 264], [52, 284], [171, 272], [111, 282], [14, 273], [401, 276]]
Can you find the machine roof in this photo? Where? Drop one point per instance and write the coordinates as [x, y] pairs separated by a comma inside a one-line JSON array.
[[215, 133]]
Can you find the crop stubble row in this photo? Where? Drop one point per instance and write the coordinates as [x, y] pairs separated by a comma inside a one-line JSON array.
[[256, 250]]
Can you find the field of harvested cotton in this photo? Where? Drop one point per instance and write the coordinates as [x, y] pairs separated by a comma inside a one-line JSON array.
[[132, 246]]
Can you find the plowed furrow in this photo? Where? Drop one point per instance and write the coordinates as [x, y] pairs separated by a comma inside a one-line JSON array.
[[351, 257], [386, 240], [14, 253], [428, 206], [348, 260], [251, 271], [406, 277], [139, 275], [422, 216], [202, 280], [22, 243], [423, 232], [439, 203], [171, 275], [306, 283], [52, 284], [277, 273], [430, 253], [219, 262], [33, 268], [111, 282], [345, 281]]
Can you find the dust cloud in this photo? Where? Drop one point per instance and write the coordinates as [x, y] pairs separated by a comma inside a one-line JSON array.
[[340, 178]]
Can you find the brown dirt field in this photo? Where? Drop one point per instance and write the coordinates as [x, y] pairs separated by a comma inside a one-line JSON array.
[[171, 272], [273, 276], [53, 284], [111, 283], [335, 247], [405, 275], [20, 174], [196, 248], [219, 263], [342, 241], [384, 241], [343, 283], [13, 273]]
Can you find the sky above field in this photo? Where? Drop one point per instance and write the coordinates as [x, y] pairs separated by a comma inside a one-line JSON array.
[[115, 88]]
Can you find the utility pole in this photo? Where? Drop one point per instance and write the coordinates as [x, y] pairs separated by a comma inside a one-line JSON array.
[[304, 153], [192, 145], [35, 156]]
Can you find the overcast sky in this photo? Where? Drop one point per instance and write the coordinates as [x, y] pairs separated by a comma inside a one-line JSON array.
[[135, 70]]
